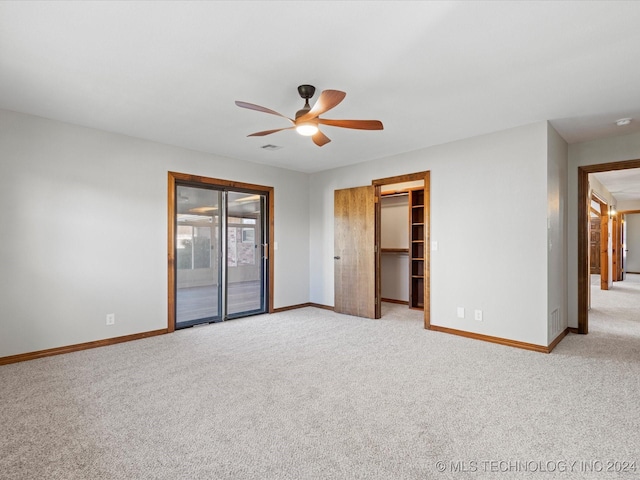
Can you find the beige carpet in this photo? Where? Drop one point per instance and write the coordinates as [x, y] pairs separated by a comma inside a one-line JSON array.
[[309, 394], [614, 319]]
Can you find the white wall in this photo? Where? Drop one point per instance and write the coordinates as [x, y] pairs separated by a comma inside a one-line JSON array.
[[600, 190], [607, 150], [628, 205], [394, 222], [632, 243], [489, 208], [394, 276], [557, 233], [84, 228]]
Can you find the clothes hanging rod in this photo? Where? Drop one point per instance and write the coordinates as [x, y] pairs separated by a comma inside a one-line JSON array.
[[394, 194]]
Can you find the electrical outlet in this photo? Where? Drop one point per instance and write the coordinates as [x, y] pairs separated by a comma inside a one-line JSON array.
[[478, 315], [460, 312], [111, 318]]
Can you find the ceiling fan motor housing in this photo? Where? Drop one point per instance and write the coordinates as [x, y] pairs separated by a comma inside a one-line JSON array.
[[302, 111], [306, 91]]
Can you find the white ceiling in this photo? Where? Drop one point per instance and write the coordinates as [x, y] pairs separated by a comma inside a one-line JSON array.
[[432, 72], [624, 185]]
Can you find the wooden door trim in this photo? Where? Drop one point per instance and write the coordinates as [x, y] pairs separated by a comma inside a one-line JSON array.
[[614, 248], [604, 247], [603, 217], [410, 177], [195, 180], [378, 250], [584, 202]]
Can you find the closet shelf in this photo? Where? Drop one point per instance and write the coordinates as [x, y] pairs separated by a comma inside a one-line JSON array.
[[417, 241], [395, 250]]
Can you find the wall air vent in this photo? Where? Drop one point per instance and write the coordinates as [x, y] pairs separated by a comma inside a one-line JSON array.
[[556, 327], [268, 146]]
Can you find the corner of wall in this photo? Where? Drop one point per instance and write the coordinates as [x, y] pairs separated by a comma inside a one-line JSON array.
[[557, 258]]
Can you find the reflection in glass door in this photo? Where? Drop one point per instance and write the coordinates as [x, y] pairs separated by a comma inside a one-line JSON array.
[[211, 225]]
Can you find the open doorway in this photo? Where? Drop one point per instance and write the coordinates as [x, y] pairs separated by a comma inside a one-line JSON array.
[[357, 248], [404, 240], [402, 243], [599, 239], [612, 247], [614, 313]]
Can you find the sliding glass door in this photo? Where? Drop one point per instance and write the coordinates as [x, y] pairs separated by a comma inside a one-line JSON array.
[[220, 254], [198, 249], [246, 258]]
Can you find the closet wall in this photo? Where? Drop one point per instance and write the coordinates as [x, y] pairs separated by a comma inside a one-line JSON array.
[[632, 243], [394, 241]]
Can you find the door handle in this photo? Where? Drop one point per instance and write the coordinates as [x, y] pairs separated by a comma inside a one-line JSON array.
[[336, 258]]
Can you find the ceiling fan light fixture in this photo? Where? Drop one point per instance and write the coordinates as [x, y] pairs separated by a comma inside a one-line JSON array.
[[307, 129], [307, 119]]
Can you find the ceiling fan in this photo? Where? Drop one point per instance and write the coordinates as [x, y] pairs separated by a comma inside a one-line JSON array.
[[308, 118]]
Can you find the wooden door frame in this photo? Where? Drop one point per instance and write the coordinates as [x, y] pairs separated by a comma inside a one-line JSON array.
[[584, 202], [604, 239], [195, 180], [411, 177], [615, 248]]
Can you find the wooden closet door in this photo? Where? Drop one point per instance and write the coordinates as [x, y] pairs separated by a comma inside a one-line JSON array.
[[355, 258]]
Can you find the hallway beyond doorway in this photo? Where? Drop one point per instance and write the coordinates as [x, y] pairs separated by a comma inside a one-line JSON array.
[[615, 314]]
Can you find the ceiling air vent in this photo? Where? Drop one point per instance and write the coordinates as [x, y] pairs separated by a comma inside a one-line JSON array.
[[268, 146]]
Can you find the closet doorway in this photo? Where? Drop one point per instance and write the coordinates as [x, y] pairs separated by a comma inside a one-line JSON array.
[[219, 250], [357, 247], [402, 243], [408, 247]]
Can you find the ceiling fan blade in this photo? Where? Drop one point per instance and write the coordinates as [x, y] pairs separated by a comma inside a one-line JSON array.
[[258, 108], [357, 124], [320, 138], [327, 100], [268, 132]]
